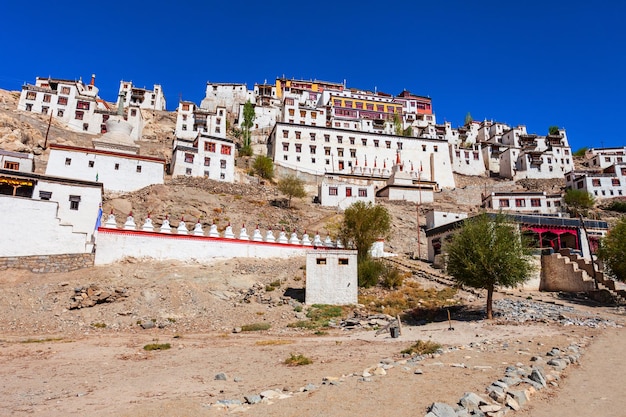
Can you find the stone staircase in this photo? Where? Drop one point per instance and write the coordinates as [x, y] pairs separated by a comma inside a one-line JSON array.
[[585, 269]]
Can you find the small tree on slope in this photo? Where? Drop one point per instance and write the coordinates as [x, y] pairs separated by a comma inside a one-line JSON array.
[[488, 252], [613, 250]]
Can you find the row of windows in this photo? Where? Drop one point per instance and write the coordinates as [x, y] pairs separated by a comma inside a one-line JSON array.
[[362, 192], [467, 154], [595, 182], [197, 127], [303, 113], [91, 164], [189, 157], [368, 106], [211, 147], [189, 171], [521, 202], [340, 261], [352, 140], [619, 192], [61, 101], [74, 199]]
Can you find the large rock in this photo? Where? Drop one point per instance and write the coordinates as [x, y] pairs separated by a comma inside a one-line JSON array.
[[471, 401], [538, 376]]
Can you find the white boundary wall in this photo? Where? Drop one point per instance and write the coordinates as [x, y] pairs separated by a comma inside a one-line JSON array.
[[113, 245], [32, 227]]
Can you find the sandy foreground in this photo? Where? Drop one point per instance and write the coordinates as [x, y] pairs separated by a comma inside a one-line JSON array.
[[83, 370]]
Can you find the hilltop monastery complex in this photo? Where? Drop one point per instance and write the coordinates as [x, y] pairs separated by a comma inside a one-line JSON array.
[[357, 145]]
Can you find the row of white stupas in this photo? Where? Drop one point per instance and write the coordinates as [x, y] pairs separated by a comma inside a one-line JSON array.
[[148, 226]]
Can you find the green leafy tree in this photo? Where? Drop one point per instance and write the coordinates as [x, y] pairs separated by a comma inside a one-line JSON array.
[[248, 120], [553, 131], [581, 152], [292, 186], [362, 225], [397, 125], [579, 202], [613, 250], [488, 252], [468, 118], [264, 167]]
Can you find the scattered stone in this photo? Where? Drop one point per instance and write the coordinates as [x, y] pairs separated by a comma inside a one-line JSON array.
[[91, 295], [379, 372], [270, 394], [519, 396], [471, 401], [252, 399], [511, 403], [490, 408], [228, 402], [147, 324], [441, 410], [538, 376], [309, 387], [418, 372]]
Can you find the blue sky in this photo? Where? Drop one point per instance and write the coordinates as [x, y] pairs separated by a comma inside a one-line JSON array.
[[537, 63]]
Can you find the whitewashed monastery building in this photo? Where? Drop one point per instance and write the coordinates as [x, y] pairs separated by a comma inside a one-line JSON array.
[[141, 97], [114, 161]]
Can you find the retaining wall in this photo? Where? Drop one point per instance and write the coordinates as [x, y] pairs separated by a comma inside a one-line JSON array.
[[43, 264]]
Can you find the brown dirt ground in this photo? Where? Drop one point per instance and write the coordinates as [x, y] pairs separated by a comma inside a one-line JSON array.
[[84, 370]]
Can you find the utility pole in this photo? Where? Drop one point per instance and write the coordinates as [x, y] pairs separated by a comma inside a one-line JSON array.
[[419, 203], [45, 143]]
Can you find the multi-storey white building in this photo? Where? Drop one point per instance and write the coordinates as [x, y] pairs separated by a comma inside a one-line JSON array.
[[192, 120], [536, 202], [319, 150], [602, 158], [608, 183], [226, 95], [467, 159], [207, 156], [141, 97], [75, 104], [114, 161], [533, 156]]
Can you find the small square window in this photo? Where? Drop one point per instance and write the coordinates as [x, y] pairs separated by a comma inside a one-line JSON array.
[[188, 171], [45, 195], [91, 164], [117, 167], [138, 168], [68, 161], [222, 176], [321, 261], [74, 202], [343, 261]]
